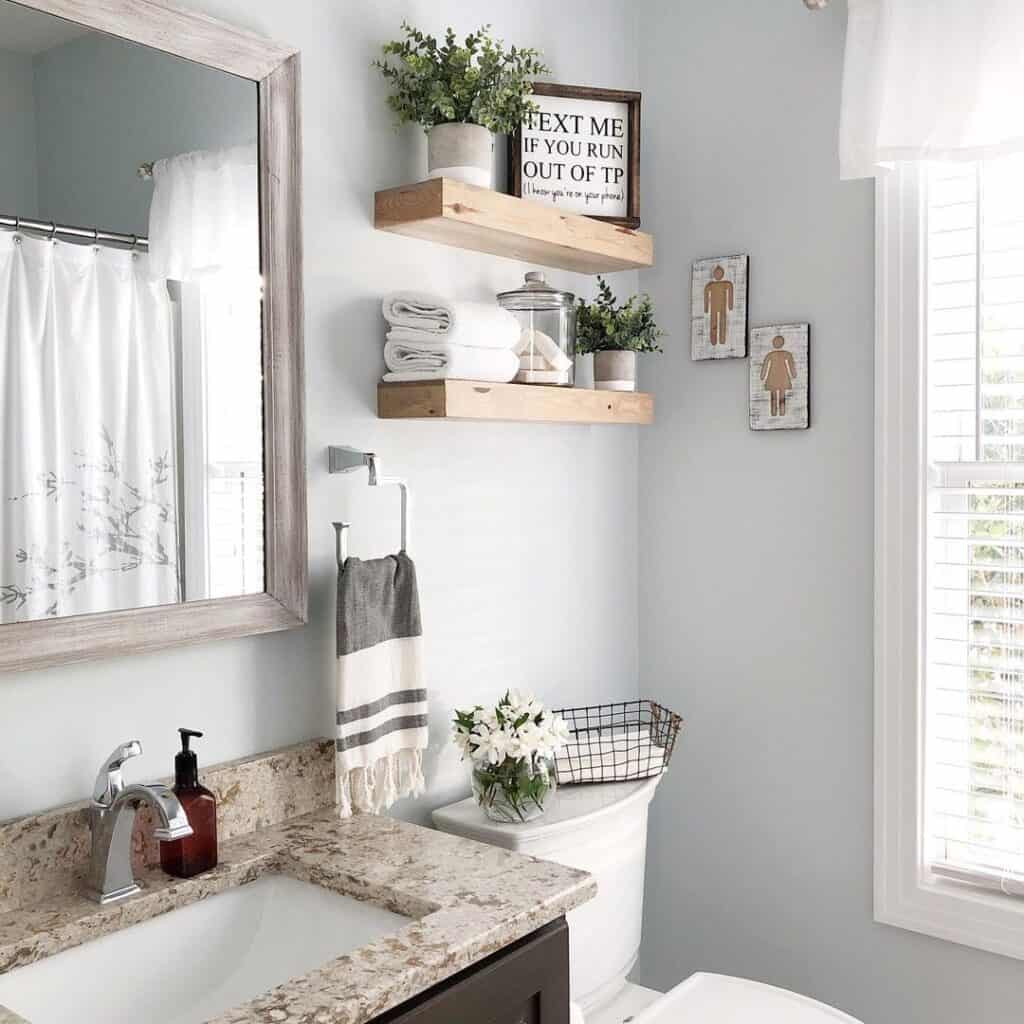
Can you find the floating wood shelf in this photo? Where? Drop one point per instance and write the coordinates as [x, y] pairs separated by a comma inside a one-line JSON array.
[[452, 213], [473, 400]]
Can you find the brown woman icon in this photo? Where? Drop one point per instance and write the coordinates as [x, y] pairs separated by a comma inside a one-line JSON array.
[[718, 301], [778, 371]]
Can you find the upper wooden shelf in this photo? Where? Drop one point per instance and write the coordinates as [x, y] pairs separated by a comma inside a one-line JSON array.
[[453, 213], [474, 400]]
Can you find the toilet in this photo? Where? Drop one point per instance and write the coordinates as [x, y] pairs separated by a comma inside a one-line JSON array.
[[602, 829]]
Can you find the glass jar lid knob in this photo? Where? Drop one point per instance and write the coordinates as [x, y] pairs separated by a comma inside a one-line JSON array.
[[536, 288]]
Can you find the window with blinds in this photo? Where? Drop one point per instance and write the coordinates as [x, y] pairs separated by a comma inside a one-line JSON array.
[[974, 764]]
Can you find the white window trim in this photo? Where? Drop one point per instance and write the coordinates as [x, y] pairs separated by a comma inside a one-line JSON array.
[[906, 894]]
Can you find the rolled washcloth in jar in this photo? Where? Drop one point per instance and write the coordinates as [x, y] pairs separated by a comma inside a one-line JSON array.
[[420, 315], [534, 362], [533, 343]]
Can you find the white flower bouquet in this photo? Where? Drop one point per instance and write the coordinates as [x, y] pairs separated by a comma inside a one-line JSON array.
[[512, 748]]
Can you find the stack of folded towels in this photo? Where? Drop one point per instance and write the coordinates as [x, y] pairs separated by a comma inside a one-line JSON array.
[[430, 338]]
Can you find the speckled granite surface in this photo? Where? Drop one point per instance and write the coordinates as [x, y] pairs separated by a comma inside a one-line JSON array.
[[45, 855], [276, 815], [468, 900]]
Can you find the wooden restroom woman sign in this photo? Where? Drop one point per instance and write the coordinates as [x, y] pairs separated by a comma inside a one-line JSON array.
[[580, 152], [780, 377]]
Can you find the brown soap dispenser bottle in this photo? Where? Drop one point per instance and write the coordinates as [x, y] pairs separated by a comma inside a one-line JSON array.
[[186, 857]]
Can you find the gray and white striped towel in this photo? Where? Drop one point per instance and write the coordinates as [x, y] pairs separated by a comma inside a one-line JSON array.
[[382, 703]]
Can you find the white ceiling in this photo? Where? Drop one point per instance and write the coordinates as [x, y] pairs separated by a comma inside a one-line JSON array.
[[25, 31]]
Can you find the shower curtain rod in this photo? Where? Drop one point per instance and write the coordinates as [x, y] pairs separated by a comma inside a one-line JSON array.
[[94, 235]]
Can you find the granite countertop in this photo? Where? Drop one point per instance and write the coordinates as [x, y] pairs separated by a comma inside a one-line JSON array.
[[467, 901]]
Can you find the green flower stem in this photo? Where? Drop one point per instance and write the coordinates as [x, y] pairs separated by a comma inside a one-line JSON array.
[[511, 789]]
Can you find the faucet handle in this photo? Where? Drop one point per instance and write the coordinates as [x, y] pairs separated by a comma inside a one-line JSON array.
[[108, 780]]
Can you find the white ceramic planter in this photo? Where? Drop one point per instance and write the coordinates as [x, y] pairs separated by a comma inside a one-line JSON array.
[[615, 370], [462, 152]]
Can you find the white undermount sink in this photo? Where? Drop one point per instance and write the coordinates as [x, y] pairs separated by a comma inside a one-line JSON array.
[[194, 963]]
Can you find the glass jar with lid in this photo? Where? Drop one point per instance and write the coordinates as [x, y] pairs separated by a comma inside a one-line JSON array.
[[547, 340]]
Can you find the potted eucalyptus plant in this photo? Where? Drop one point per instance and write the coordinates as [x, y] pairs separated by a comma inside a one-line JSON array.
[[615, 333], [461, 93]]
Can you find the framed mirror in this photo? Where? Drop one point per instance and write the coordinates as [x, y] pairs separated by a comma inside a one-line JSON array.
[[152, 456]]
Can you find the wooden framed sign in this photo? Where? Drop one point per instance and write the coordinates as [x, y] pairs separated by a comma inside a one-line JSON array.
[[580, 152]]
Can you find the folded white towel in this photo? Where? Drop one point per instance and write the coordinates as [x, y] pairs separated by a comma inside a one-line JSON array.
[[462, 361], [619, 757], [479, 324], [410, 336], [400, 376], [534, 342]]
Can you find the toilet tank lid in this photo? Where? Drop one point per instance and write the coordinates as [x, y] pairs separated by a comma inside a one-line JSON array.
[[569, 808], [717, 997]]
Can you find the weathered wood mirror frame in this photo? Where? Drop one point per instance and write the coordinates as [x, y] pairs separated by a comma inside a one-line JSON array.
[[275, 70]]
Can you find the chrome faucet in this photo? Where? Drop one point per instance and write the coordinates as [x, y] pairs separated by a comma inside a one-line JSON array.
[[111, 819]]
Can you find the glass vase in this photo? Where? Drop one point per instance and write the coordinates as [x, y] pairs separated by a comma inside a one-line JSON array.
[[515, 790]]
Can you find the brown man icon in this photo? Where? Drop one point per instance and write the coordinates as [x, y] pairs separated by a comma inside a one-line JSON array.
[[718, 302]]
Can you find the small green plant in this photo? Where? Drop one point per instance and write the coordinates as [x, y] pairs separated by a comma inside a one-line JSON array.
[[475, 82], [603, 325]]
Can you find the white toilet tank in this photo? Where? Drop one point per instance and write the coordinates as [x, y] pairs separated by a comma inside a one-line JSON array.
[[597, 828]]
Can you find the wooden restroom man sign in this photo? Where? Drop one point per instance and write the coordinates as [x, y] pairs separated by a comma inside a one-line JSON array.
[[718, 311], [718, 304]]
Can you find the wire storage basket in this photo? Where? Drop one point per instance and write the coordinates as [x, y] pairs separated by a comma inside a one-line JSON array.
[[621, 742]]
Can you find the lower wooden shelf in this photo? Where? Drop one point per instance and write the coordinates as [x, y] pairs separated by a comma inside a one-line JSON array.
[[474, 400]]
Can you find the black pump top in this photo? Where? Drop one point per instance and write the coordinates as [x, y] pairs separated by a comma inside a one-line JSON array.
[[186, 764]]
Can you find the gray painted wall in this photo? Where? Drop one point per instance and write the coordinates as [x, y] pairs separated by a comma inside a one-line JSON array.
[[140, 105], [756, 549], [525, 536], [17, 135]]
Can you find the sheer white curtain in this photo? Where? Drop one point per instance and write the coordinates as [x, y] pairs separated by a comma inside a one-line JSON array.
[[204, 233], [88, 435], [204, 217], [931, 80]]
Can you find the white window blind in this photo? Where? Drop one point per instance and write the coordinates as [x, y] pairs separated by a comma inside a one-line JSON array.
[[974, 699]]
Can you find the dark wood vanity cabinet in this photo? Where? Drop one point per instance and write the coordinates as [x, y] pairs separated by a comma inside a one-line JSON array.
[[525, 983]]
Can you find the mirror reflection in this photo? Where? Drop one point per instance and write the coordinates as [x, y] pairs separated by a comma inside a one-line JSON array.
[[131, 404]]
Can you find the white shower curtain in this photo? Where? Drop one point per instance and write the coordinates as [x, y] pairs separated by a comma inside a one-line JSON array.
[[87, 431]]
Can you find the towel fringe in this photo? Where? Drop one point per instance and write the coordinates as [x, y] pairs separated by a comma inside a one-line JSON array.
[[374, 789]]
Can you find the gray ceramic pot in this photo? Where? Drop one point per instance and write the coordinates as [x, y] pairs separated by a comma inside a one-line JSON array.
[[615, 370], [462, 152]]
